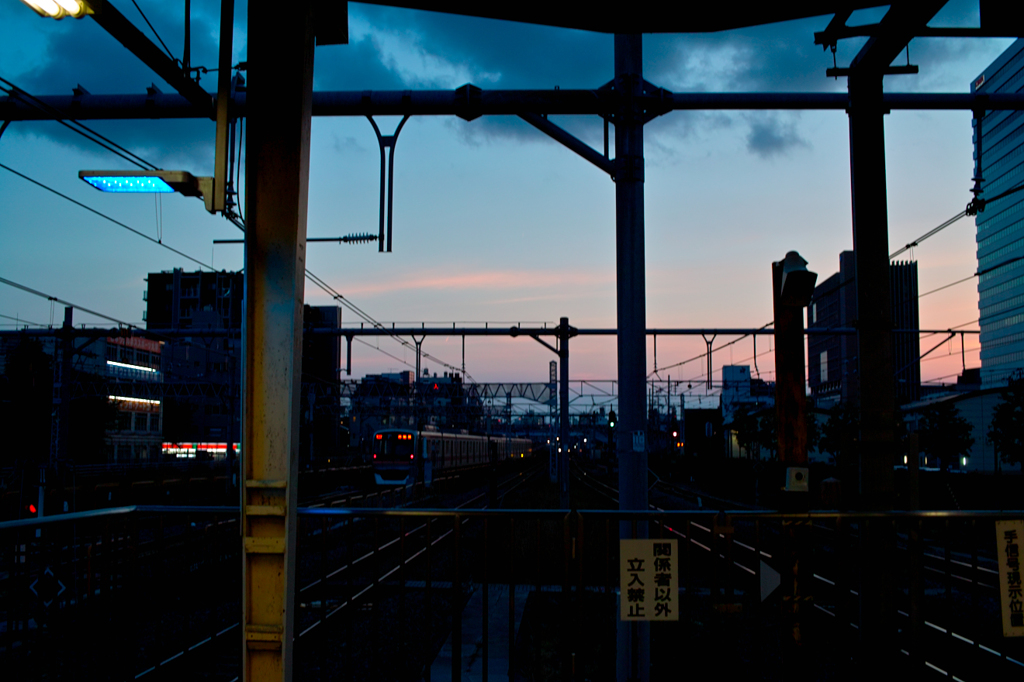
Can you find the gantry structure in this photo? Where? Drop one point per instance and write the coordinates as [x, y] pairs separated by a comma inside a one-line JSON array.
[[278, 103]]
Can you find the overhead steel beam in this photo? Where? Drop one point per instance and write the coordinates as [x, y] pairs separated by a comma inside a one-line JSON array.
[[167, 335], [88, 107], [897, 28], [639, 17], [124, 31]]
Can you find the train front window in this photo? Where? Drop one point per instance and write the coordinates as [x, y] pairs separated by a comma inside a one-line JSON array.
[[393, 446]]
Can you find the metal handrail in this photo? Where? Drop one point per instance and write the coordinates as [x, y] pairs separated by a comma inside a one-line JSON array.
[[530, 513]]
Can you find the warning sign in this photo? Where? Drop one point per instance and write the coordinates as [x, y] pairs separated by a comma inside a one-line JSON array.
[[649, 579], [1009, 535]]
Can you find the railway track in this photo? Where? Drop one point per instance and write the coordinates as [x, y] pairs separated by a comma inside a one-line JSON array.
[[330, 585], [962, 578]]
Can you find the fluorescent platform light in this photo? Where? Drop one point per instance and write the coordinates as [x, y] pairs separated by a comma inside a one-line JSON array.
[[126, 399], [127, 366], [159, 181], [60, 8]]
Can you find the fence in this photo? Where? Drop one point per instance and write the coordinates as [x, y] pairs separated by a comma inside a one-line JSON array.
[[154, 593]]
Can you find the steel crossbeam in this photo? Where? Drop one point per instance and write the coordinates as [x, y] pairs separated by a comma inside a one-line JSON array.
[[88, 107]]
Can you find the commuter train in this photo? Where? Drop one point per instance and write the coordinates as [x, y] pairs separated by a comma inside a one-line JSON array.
[[407, 456]]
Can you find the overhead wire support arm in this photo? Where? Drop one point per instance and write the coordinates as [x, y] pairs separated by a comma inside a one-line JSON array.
[[569, 141], [386, 142]]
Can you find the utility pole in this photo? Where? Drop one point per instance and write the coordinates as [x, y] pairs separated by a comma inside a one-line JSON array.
[[633, 638], [563, 403]]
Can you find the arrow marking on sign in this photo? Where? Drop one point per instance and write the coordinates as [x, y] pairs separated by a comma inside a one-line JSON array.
[[770, 579]]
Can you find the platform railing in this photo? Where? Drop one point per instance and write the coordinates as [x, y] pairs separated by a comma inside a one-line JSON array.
[[154, 593]]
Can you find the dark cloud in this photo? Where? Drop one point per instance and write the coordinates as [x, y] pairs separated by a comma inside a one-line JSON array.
[[491, 54], [360, 65], [771, 136], [82, 53], [508, 54]]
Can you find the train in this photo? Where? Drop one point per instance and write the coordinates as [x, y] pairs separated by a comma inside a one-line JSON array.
[[407, 456]]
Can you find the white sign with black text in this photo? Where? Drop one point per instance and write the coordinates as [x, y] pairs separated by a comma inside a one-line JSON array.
[[649, 579]]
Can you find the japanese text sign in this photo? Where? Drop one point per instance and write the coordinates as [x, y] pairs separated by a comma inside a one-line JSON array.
[[1009, 535], [649, 579]]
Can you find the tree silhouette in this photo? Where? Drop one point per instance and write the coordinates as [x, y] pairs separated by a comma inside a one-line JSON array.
[[944, 434], [1006, 433], [840, 433]]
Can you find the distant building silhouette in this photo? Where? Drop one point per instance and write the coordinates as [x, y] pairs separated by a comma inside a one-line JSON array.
[[999, 158], [204, 416], [832, 360], [200, 421]]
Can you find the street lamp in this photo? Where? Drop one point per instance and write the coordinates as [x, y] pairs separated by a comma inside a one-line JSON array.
[[58, 9], [151, 182]]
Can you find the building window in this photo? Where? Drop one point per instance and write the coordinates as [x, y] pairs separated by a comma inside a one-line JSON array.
[[824, 366]]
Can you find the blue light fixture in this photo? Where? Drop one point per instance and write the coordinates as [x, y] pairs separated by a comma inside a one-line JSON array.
[[157, 181], [115, 183], [143, 181]]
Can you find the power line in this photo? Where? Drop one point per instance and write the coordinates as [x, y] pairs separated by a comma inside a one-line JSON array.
[[67, 303], [146, 19], [82, 129], [929, 233], [366, 316], [21, 320], [705, 353], [106, 217]]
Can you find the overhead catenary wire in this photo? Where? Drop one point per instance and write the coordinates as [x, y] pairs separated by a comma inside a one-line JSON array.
[[146, 19], [962, 214], [21, 320], [365, 316], [71, 124], [106, 217], [48, 297]]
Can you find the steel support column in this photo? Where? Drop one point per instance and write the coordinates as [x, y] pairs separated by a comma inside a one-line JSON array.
[[633, 637], [876, 400], [280, 93], [563, 416]]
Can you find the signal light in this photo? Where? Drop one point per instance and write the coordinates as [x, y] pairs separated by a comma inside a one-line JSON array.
[[611, 419], [412, 456], [32, 508]]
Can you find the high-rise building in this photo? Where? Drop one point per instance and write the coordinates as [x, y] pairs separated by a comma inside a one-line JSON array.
[[998, 167], [204, 417], [832, 367]]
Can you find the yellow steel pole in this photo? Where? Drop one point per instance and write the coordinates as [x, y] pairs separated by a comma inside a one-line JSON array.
[[280, 94]]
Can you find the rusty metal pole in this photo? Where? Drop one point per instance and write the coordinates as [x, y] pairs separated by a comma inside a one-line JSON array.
[[791, 426], [280, 96]]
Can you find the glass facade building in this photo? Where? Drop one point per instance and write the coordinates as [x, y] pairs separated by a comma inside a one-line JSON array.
[[999, 163]]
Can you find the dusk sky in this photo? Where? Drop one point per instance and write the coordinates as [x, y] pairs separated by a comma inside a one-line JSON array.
[[494, 222]]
